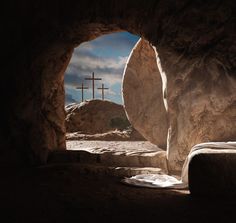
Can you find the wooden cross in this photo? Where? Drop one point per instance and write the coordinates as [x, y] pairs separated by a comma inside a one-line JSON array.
[[82, 88], [93, 79], [103, 88]]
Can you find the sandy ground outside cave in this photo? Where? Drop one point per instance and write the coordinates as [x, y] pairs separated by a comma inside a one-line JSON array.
[[122, 153], [114, 147]]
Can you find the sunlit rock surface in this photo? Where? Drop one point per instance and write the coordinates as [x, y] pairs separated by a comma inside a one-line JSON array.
[[142, 93], [201, 106]]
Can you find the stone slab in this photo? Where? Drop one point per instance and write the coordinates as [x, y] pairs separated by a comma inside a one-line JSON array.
[[142, 94], [113, 154], [213, 174]]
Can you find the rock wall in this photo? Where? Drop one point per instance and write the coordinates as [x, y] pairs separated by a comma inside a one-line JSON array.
[[202, 108], [195, 41], [201, 79]]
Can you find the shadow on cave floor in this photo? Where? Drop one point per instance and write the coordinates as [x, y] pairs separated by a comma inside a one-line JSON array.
[[61, 194]]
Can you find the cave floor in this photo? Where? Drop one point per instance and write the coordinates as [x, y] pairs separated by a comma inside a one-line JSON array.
[[60, 193]]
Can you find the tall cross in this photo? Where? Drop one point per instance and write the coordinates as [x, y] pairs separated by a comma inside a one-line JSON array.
[[103, 88], [93, 79], [82, 88]]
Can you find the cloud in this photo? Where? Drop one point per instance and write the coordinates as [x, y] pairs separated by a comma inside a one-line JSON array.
[[83, 64], [121, 41], [111, 92], [106, 57], [69, 99]]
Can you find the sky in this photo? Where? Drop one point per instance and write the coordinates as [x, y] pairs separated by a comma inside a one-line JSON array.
[[106, 56]]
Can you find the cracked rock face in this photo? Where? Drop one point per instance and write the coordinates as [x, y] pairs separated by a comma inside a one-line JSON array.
[[142, 94]]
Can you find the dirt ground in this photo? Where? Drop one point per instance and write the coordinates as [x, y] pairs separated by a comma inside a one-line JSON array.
[[59, 193]]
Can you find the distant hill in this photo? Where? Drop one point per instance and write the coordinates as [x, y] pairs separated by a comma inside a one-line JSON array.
[[95, 116], [98, 120]]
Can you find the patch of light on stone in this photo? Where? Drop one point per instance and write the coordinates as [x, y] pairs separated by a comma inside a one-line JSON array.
[[131, 52], [127, 61], [168, 145], [163, 78]]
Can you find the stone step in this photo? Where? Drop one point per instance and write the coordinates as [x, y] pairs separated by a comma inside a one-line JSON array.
[[109, 159], [100, 170]]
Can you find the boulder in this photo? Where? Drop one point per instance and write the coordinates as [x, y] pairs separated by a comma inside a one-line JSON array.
[[142, 94]]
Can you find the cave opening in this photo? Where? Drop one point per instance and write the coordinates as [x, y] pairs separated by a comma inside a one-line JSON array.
[[179, 96], [94, 120]]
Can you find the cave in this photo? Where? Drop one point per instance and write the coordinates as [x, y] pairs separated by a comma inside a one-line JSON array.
[[196, 45]]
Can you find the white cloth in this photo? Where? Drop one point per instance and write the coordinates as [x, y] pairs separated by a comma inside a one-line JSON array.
[[170, 182]]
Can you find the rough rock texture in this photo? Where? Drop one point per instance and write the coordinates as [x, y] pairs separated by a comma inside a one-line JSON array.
[[213, 174], [95, 116], [202, 108], [195, 41], [126, 135], [142, 94]]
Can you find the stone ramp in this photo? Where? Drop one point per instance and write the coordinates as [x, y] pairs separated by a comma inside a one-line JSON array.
[[100, 170], [126, 157]]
